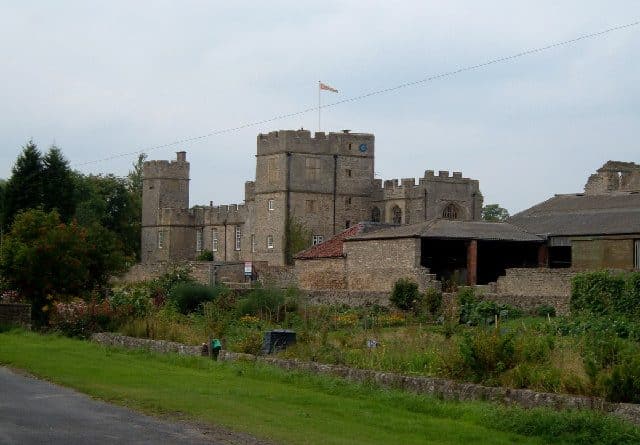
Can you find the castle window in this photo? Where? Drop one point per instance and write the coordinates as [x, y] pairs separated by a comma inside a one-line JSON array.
[[317, 239], [238, 237], [347, 224], [253, 243], [450, 212], [349, 145], [271, 205], [348, 171], [160, 239], [199, 240], [312, 168], [310, 206], [397, 215], [347, 201], [214, 240], [375, 214], [269, 241]]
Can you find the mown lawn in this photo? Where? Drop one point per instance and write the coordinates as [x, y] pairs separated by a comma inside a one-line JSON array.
[[289, 407]]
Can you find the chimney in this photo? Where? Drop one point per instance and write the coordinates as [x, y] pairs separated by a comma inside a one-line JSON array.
[[181, 156]]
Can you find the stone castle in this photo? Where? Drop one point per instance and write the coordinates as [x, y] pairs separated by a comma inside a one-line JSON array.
[[325, 183]]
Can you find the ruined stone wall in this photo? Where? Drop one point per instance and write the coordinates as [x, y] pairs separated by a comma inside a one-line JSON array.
[[15, 314], [614, 176]]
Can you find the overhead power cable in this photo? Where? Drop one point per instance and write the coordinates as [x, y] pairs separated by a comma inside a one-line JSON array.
[[370, 94]]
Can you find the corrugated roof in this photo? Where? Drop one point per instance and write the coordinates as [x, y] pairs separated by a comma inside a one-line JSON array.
[[444, 228], [565, 215]]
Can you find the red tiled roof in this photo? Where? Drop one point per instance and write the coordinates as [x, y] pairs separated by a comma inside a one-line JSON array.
[[332, 248]]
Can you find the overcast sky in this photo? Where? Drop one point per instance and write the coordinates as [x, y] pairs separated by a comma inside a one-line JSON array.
[[110, 77]]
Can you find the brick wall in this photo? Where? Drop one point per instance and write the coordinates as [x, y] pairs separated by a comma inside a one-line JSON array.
[[15, 314]]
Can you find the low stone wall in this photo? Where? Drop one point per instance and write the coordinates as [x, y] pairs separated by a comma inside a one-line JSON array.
[[162, 346], [529, 288], [321, 273], [277, 276], [350, 298], [442, 388], [15, 314]]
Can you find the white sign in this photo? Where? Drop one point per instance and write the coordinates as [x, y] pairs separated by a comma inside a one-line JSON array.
[[248, 268]]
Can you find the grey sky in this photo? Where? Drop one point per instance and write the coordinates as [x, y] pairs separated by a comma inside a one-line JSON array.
[[102, 78]]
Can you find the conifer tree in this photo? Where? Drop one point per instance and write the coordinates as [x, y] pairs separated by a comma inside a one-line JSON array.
[[24, 188], [58, 186]]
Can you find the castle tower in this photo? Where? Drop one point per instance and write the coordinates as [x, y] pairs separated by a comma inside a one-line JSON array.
[[323, 182], [165, 188]]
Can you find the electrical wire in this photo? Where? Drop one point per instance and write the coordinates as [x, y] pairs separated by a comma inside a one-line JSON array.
[[369, 94]]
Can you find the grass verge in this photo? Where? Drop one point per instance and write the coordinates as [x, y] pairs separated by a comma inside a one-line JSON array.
[[291, 407]]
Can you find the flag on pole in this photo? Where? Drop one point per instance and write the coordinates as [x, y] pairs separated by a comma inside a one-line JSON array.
[[324, 86]]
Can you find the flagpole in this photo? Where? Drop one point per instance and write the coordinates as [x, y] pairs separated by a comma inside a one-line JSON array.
[[319, 105]]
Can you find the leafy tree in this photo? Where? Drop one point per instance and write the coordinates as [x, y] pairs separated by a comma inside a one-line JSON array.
[[24, 188], [493, 212], [297, 238], [46, 259], [58, 185], [108, 202], [134, 184], [3, 186]]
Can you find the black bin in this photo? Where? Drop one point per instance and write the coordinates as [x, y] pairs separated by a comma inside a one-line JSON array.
[[277, 340]]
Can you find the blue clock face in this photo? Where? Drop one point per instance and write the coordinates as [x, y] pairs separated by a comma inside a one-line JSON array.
[[362, 148]]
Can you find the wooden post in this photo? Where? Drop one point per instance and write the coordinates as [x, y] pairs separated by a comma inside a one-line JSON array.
[[543, 256], [472, 262]]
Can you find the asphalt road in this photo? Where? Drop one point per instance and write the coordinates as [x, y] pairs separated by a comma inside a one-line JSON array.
[[33, 411]]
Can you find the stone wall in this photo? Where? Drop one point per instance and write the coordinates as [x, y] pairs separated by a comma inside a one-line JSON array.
[[15, 314], [276, 276], [529, 288], [375, 265], [321, 273], [441, 388], [350, 298]]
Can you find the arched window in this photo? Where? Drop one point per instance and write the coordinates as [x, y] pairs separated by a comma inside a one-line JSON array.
[[375, 214], [450, 212], [397, 215]]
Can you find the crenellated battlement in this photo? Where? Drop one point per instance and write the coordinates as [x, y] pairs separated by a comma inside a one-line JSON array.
[[301, 141], [163, 169]]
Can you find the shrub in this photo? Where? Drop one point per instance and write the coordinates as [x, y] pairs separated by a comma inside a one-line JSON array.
[[630, 302], [205, 255], [175, 274], [263, 302], [485, 355], [405, 295], [432, 301], [623, 385], [134, 301], [545, 311], [188, 297], [597, 292], [79, 318]]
